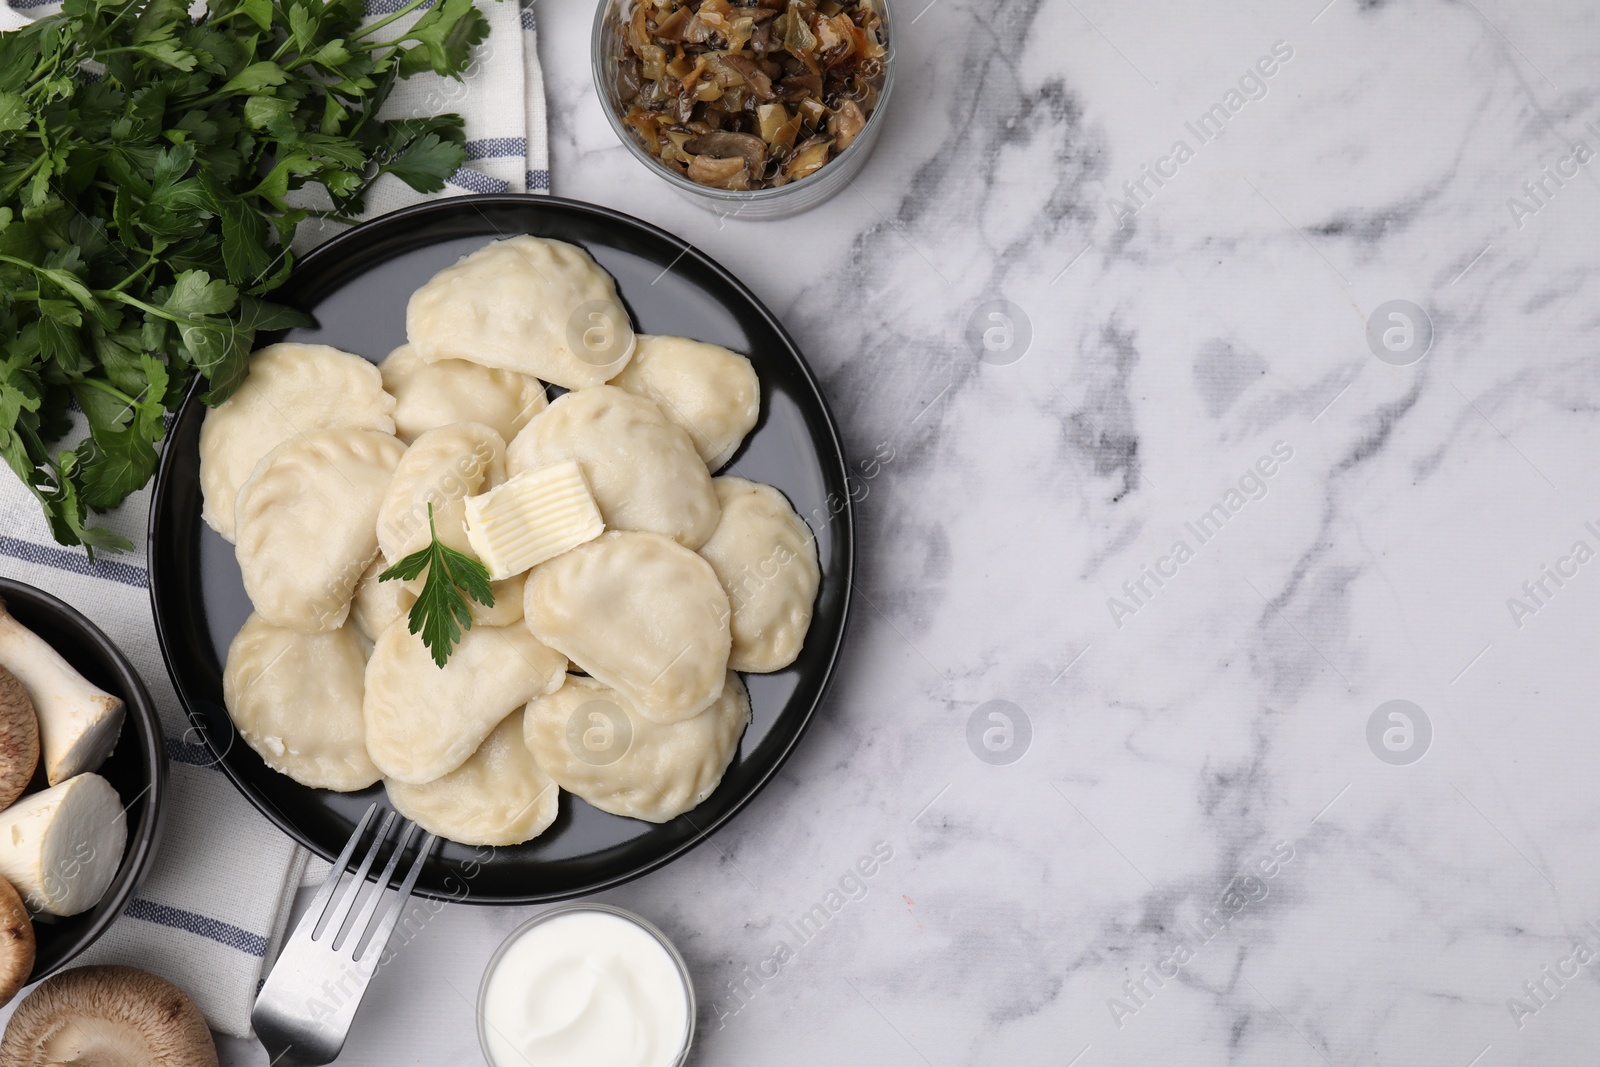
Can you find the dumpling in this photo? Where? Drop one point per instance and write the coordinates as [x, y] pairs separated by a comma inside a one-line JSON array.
[[766, 559], [643, 470], [500, 796], [586, 739], [507, 607], [307, 522], [441, 468], [296, 700], [642, 614], [377, 604], [424, 721], [711, 392], [430, 395], [526, 304], [291, 390]]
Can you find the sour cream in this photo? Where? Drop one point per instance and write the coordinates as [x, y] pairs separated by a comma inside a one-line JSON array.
[[586, 986]]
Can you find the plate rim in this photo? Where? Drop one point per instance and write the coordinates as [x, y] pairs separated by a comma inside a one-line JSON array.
[[845, 517]]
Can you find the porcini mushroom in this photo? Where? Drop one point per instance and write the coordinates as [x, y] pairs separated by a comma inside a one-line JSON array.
[[78, 721], [16, 943], [19, 738], [107, 1015], [60, 847]]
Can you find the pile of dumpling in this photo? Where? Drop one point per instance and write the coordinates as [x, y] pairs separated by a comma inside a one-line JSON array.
[[321, 469]]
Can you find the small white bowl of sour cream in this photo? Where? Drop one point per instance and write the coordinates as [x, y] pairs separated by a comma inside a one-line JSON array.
[[586, 985]]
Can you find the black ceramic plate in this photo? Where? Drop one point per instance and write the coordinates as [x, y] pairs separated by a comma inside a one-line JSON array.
[[356, 286], [136, 769]]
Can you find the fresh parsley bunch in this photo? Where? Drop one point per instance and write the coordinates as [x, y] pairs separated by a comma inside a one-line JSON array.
[[146, 164]]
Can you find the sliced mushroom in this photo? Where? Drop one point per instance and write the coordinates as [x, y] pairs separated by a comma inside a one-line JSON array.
[[808, 158], [754, 76], [16, 943], [719, 173], [61, 847], [846, 123], [19, 738], [725, 159], [118, 1016], [78, 721]]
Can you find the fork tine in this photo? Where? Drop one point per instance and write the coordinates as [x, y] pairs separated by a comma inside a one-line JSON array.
[[359, 926], [380, 935], [341, 910], [319, 903]]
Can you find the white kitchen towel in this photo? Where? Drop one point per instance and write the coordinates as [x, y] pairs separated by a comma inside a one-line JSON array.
[[211, 912]]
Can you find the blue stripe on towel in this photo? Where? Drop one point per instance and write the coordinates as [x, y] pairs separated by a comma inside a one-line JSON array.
[[214, 929], [62, 560], [537, 179], [497, 147], [474, 182], [389, 7], [529, 21]]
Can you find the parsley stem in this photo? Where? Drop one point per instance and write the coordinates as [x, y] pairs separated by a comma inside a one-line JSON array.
[[130, 279], [107, 387], [160, 313], [22, 179], [401, 13]]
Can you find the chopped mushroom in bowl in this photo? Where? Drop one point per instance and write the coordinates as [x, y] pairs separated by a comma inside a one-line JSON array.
[[758, 111]]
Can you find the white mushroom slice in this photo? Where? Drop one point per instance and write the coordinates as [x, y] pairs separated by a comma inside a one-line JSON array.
[[642, 614], [296, 700], [710, 391], [586, 739], [307, 521], [526, 304], [423, 721], [643, 470], [376, 604], [107, 1016], [430, 395], [498, 797], [78, 721], [439, 471], [291, 390], [766, 559], [61, 846]]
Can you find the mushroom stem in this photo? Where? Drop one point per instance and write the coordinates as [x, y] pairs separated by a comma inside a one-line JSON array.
[[61, 846], [78, 721]]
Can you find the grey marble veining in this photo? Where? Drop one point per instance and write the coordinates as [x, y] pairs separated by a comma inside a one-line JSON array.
[[1199, 846]]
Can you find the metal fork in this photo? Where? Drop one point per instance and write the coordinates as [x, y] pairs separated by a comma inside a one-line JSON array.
[[305, 1007]]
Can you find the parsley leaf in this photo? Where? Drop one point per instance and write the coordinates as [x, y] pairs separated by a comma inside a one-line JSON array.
[[442, 611]]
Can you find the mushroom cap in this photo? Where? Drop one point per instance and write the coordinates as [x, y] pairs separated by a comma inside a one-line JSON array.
[[19, 737], [16, 942], [110, 1015]]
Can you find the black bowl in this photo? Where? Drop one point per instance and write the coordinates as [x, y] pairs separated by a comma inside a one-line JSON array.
[[136, 769], [356, 286]]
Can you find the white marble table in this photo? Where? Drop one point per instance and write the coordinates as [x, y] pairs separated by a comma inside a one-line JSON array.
[[1199, 772]]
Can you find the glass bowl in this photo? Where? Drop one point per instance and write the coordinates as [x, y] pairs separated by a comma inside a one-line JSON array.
[[783, 201], [567, 909]]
